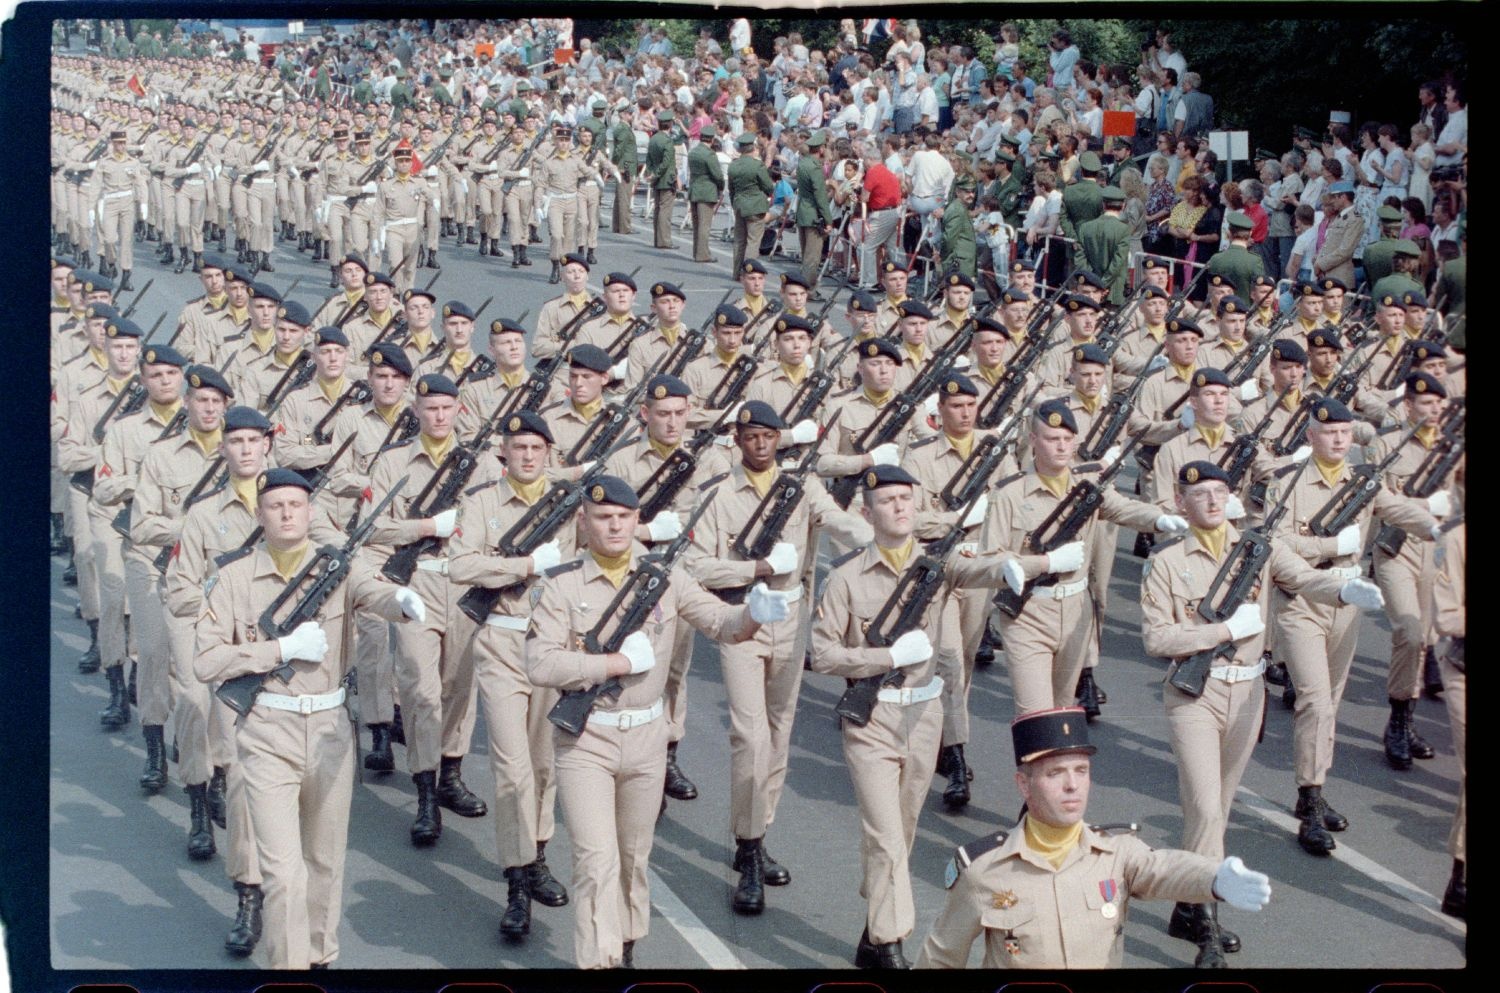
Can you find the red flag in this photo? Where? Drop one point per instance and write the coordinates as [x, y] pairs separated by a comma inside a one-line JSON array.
[[416, 163], [134, 86]]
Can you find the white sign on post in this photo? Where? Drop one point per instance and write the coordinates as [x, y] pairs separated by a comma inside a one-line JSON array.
[[1230, 146], [294, 28]]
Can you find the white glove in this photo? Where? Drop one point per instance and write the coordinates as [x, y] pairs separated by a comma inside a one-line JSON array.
[[1249, 390], [143, 212], [637, 648], [523, 173], [307, 643], [1157, 363], [1301, 454], [1187, 418], [664, 526], [887, 454], [1440, 504], [912, 648], [725, 440], [545, 557], [445, 523], [805, 432], [976, 513], [1245, 622], [1171, 524], [1015, 576], [262, 167], [929, 406], [411, 605], [1234, 510], [464, 185], [193, 169], [783, 558], [619, 369], [962, 362], [807, 361], [92, 219], [1363, 594], [1241, 888], [767, 606], [1111, 455], [1348, 540], [1068, 558]]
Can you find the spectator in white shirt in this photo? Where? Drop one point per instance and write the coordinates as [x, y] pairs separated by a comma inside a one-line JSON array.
[[931, 176], [869, 117], [1453, 143], [927, 105]]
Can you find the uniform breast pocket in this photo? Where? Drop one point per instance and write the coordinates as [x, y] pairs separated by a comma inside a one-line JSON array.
[[1012, 929], [1104, 900]]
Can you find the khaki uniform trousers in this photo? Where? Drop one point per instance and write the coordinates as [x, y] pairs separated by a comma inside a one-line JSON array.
[[970, 613], [154, 689], [296, 200], [1212, 737], [59, 201], [1455, 690], [661, 217], [491, 205], [299, 779], [117, 234], [79, 526], [262, 204], [762, 678], [362, 226], [164, 204], [239, 200], [78, 222], [562, 224], [204, 732], [241, 861], [402, 239], [57, 490], [189, 214], [1407, 580], [1102, 565], [374, 669], [748, 232], [432, 222], [316, 189], [811, 241], [109, 566], [624, 203], [466, 198], [1317, 642], [891, 760], [284, 208], [675, 691], [703, 222], [1047, 648], [610, 783], [515, 715], [338, 225], [225, 203], [518, 212], [588, 214], [435, 675]]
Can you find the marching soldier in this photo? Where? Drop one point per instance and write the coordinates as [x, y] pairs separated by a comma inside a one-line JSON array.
[[590, 186], [402, 204], [570, 416], [559, 311], [646, 351], [520, 209], [560, 174], [1450, 620], [488, 175], [117, 185]]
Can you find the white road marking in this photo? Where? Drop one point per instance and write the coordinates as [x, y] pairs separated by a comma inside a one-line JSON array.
[[699, 936]]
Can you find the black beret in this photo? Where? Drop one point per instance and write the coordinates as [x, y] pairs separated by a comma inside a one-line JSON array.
[[663, 386], [990, 324], [1287, 350], [959, 279], [1308, 288], [1392, 300], [237, 273], [1078, 302], [1180, 324], [1325, 337], [1154, 292], [1414, 298], [794, 279], [1090, 353], [264, 291], [208, 378], [573, 258], [93, 282], [1020, 266], [791, 322], [294, 313], [880, 346], [1233, 305], [892, 267], [164, 355], [1262, 280], [1424, 350], [393, 356], [1421, 384], [1085, 278], [357, 259], [1200, 471], [1330, 283], [590, 357], [613, 489], [759, 414], [667, 290], [1150, 263], [527, 422], [243, 418], [1327, 409], [861, 302], [1055, 414], [887, 475], [956, 383], [1048, 732], [505, 325], [100, 311], [457, 308], [619, 277], [383, 278], [752, 265], [1013, 295], [276, 478], [330, 335], [1210, 377], [436, 383], [407, 296], [123, 327], [728, 315], [213, 260], [914, 308]]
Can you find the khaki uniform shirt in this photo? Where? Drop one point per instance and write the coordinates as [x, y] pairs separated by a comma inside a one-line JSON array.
[[555, 314], [168, 474], [486, 513], [1309, 495]]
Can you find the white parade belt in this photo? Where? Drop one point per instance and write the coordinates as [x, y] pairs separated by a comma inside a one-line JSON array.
[[905, 696], [626, 719], [434, 565], [507, 622], [1237, 673], [309, 704]]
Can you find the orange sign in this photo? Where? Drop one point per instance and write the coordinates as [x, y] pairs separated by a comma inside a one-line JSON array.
[[486, 48], [1119, 123], [562, 56]]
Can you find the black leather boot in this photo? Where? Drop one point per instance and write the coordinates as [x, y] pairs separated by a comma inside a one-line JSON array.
[[1087, 694], [1276, 673], [556, 276], [246, 930], [1143, 545], [1456, 896], [1397, 743], [333, 277], [1210, 950], [379, 757], [750, 891], [1332, 819], [201, 830], [453, 794], [61, 543], [484, 244], [398, 730], [218, 796], [70, 575], [516, 922], [223, 241], [117, 714], [130, 681], [1289, 695], [265, 262], [1189, 922], [1418, 745], [1432, 675], [153, 234], [495, 249], [545, 889], [1313, 835], [89, 660], [428, 826], [183, 257], [590, 258], [956, 794], [154, 778], [432, 260], [515, 256], [125, 285], [677, 786], [533, 239], [167, 253], [627, 955], [86, 260], [198, 261], [470, 238], [525, 254]]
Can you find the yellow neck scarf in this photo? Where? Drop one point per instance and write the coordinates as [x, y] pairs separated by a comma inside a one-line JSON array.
[[389, 414], [588, 411], [218, 301], [1213, 540], [208, 442], [115, 385], [1052, 843], [992, 374], [660, 447], [671, 333], [332, 388], [284, 359], [435, 449], [244, 489], [459, 359], [1156, 331], [165, 413], [957, 316], [754, 304], [263, 340], [1056, 485], [796, 372], [512, 379], [726, 357], [918, 353], [1090, 404], [422, 339], [963, 446], [894, 301], [1330, 471], [530, 492], [878, 399], [1393, 344], [622, 319], [1185, 372], [1292, 400], [578, 300], [1323, 384], [1427, 435], [1213, 436], [288, 562], [239, 314], [98, 357], [614, 567], [761, 480], [896, 557], [1266, 315], [1233, 346]]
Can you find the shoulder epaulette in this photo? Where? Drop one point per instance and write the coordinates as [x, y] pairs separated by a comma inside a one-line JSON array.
[[709, 484], [237, 336], [1089, 467], [233, 555], [846, 557], [1113, 829], [925, 441], [849, 392], [558, 570], [398, 444], [1285, 471], [1387, 429], [964, 855], [553, 405], [1160, 545], [1009, 479], [482, 486]]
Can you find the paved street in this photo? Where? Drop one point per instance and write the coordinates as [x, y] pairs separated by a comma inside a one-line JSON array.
[[124, 894]]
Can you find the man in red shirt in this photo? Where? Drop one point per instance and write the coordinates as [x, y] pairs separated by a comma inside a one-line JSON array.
[[881, 197]]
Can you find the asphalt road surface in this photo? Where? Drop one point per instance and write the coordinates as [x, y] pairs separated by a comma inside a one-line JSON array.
[[124, 894]]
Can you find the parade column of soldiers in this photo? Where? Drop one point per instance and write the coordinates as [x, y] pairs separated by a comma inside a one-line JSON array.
[[726, 454]]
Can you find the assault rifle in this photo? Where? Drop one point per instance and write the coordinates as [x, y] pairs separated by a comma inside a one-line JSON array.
[[1358, 492], [761, 533], [1115, 416], [357, 393]]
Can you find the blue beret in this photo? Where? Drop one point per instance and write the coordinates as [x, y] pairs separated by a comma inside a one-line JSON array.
[[794, 279], [206, 377], [1020, 265], [667, 290], [63, 262], [955, 384], [100, 311], [1414, 298], [1263, 280], [1330, 283], [759, 414], [1085, 278], [1055, 414], [1210, 377], [890, 267], [590, 357], [613, 489], [887, 475], [1424, 350], [752, 265], [355, 258], [457, 308], [436, 383], [237, 273], [791, 322], [527, 422], [1233, 305], [728, 315], [1325, 337], [1154, 292], [1287, 350], [1421, 384], [1078, 302], [914, 308], [619, 277], [990, 324], [663, 386], [1308, 288], [861, 302], [164, 355], [1090, 353], [880, 346], [93, 282], [418, 292], [1181, 324], [1013, 295], [1328, 410], [264, 291], [243, 418], [959, 279], [573, 258], [330, 335], [1199, 471], [213, 260], [275, 478], [383, 278], [123, 327], [505, 325], [294, 313], [393, 356]]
